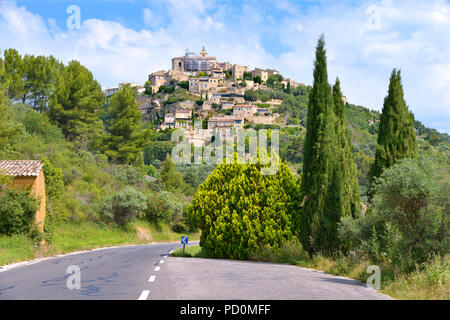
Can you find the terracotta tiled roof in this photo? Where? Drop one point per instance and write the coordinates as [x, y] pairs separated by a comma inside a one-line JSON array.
[[20, 168]]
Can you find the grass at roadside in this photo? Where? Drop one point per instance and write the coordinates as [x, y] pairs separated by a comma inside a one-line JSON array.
[[193, 251], [430, 282], [69, 237]]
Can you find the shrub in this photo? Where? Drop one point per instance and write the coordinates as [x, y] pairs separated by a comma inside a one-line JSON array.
[[239, 210], [17, 211], [290, 252], [156, 163], [172, 179], [54, 184], [162, 207], [39, 124], [410, 215], [179, 227], [157, 150], [123, 206], [127, 174]]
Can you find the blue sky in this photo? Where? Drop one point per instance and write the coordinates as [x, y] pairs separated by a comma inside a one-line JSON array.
[[125, 40]]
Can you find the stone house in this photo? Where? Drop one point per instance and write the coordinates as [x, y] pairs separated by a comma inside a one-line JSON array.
[[238, 71], [202, 84]]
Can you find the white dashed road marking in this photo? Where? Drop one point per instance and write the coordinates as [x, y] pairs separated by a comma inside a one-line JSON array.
[[144, 295]]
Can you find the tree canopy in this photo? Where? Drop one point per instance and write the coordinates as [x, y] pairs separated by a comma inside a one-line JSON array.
[[127, 135], [396, 134]]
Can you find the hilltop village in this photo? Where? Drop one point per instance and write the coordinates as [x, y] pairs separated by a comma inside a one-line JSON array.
[[199, 88]]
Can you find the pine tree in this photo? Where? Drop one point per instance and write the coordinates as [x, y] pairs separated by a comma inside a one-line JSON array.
[[8, 128], [318, 163], [76, 104], [396, 134], [127, 135], [41, 75], [346, 170], [12, 79]]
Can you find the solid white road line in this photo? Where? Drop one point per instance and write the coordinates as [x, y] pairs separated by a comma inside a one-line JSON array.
[[151, 279], [144, 295], [157, 268]]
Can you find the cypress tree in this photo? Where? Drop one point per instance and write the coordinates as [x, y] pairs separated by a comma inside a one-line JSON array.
[[316, 221], [347, 173], [288, 88], [396, 134]]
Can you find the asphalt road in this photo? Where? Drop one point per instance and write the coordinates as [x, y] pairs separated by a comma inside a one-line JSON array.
[[146, 272]]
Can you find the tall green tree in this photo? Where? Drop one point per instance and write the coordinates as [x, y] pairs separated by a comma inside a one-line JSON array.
[[346, 170], [127, 135], [12, 79], [172, 178], [2, 76], [396, 134], [76, 105], [317, 219], [8, 128], [288, 88], [41, 75]]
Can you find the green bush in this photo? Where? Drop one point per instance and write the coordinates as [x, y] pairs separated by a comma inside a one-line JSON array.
[[54, 184], [290, 252], [410, 216], [123, 206], [173, 179], [163, 207], [194, 174], [239, 210], [126, 175], [17, 211], [157, 150]]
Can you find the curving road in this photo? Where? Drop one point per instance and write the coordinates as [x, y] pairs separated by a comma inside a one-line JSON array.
[[146, 272]]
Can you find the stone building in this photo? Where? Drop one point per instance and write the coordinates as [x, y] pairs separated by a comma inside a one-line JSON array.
[[202, 85], [261, 73], [238, 71], [193, 63], [158, 79]]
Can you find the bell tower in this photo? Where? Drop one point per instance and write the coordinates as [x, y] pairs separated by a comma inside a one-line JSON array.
[[203, 53]]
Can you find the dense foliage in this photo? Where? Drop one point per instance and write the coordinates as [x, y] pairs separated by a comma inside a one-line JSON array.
[[127, 135], [240, 211], [396, 135], [409, 221], [124, 206], [17, 210], [319, 215], [75, 105], [345, 175]]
